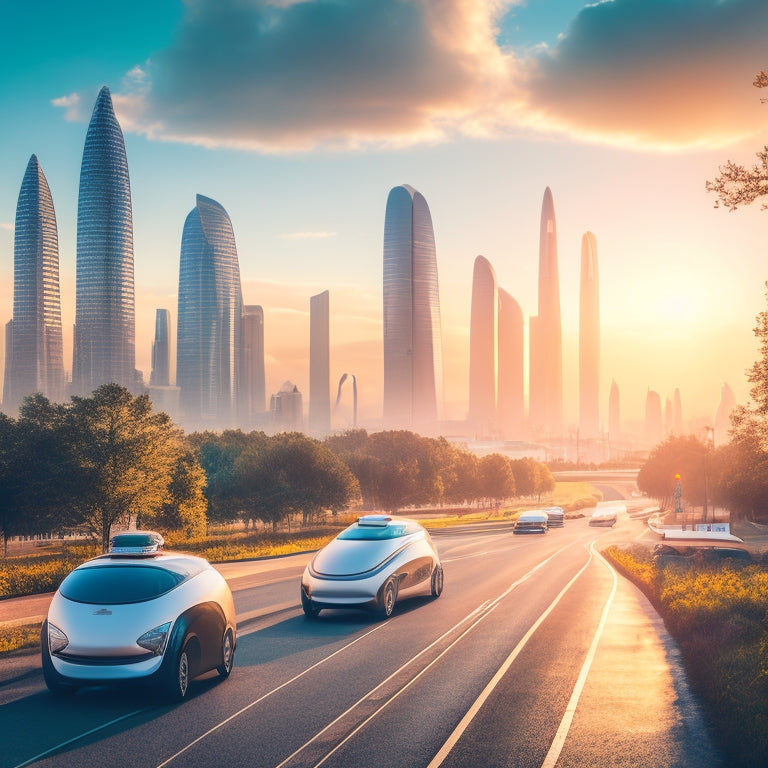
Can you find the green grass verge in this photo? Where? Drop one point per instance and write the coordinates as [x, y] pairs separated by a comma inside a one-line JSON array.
[[717, 614]]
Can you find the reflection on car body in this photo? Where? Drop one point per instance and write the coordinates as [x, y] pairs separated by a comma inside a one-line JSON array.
[[370, 564], [138, 614], [532, 521], [555, 517]]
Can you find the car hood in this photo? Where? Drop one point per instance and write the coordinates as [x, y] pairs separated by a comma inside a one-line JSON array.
[[348, 557]]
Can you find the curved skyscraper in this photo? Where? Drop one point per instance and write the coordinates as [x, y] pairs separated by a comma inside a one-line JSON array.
[[105, 336], [483, 349], [589, 340], [546, 353], [34, 350], [208, 350], [511, 386], [413, 358]]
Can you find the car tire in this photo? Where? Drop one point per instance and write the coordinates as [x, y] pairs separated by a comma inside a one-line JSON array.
[[388, 598], [311, 611], [177, 681], [227, 655], [437, 581]]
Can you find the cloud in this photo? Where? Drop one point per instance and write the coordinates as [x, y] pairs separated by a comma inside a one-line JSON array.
[[294, 75]]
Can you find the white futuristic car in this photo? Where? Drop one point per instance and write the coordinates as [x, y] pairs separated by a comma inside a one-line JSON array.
[[139, 614], [370, 564]]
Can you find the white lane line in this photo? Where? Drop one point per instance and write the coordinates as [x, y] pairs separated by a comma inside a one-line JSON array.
[[439, 758], [267, 695], [570, 710], [78, 737]]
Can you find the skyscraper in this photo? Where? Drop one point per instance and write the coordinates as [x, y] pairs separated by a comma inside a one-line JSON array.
[[161, 350], [105, 337], [677, 413], [614, 414], [34, 348], [483, 349], [319, 364], [253, 395], [208, 350], [723, 415], [654, 425], [511, 386], [589, 340], [413, 358], [546, 354]]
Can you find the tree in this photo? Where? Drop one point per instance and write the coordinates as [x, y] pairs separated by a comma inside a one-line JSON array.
[[497, 481], [737, 185], [124, 455]]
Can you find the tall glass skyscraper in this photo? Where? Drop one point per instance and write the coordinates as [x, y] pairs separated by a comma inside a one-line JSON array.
[[253, 389], [483, 349], [413, 358], [319, 364], [161, 350], [511, 386], [105, 335], [34, 349], [589, 339], [208, 351]]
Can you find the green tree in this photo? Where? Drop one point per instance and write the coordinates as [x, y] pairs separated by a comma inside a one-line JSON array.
[[544, 481], [124, 455], [737, 185], [463, 484], [497, 480], [11, 515]]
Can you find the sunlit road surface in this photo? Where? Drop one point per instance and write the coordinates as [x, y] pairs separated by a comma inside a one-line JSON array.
[[536, 654]]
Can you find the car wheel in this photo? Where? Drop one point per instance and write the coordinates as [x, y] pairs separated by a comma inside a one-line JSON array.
[[311, 611], [388, 598], [437, 581], [178, 676], [227, 655]]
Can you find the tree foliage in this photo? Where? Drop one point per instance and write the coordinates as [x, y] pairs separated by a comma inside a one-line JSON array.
[[736, 184], [686, 456]]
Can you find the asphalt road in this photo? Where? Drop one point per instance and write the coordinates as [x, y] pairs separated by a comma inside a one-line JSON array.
[[537, 654]]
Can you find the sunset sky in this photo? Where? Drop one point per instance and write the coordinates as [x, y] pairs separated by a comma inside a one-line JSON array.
[[299, 116]]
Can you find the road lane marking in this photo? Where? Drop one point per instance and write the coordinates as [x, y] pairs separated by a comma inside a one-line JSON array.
[[471, 713], [78, 737], [565, 724]]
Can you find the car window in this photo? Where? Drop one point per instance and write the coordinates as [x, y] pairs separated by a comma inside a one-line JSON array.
[[377, 533], [117, 584]]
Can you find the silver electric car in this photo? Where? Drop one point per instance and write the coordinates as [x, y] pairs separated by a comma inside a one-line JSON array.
[[139, 614], [370, 564]]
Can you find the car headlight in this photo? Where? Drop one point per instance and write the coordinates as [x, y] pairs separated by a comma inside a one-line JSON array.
[[155, 639], [57, 640]]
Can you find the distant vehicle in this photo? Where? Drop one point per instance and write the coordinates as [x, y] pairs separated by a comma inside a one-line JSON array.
[[556, 517], [606, 515], [532, 521], [138, 614], [370, 565], [700, 551]]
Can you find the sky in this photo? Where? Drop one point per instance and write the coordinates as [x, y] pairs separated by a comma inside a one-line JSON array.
[[299, 116]]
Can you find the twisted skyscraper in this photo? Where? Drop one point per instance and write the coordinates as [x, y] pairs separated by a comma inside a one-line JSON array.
[[208, 352], [413, 358], [34, 351], [105, 337]]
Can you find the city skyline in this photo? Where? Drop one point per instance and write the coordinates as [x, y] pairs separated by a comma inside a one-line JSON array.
[[610, 121]]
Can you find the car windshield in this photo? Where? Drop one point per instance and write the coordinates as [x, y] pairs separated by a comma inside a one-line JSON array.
[[359, 532], [119, 584]]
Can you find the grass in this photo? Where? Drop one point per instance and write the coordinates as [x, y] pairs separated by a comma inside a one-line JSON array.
[[718, 616], [16, 638]]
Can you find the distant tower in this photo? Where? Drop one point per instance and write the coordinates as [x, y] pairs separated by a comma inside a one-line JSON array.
[[654, 426], [483, 349], [413, 362], [161, 350], [511, 395], [677, 414], [208, 349], [723, 415], [614, 414], [546, 354], [589, 340], [105, 336], [286, 408], [253, 392], [319, 364], [34, 348]]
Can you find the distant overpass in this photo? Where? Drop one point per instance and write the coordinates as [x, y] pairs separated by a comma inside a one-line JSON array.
[[612, 483]]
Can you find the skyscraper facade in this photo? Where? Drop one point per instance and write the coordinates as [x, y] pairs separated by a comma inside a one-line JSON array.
[[722, 424], [253, 397], [413, 364], [105, 337], [161, 350], [614, 413], [654, 424], [511, 384], [589, 340], [546, 353], [319, 364], [483, 349], [34, 347], [208, 350]]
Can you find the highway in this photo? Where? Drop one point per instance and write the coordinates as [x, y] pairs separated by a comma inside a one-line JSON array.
[[536, 654]]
